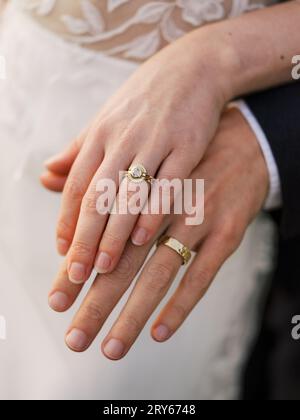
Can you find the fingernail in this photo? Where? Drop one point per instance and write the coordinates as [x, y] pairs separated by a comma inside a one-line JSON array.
[[62, 246], [77, 273], [161, 333], [140, 237], [77, 340], [59, 301], [103, 263], [114, 349]]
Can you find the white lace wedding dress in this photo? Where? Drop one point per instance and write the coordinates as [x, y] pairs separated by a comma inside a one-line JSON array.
[[53, 86]]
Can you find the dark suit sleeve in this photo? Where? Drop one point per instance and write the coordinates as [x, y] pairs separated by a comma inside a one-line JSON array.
[[278, 112]]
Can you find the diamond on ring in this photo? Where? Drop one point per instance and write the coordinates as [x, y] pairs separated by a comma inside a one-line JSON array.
[[138, 173]]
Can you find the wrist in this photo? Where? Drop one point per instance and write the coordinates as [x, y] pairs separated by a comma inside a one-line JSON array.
[[216, 58], [274, 199], [244, 52], [244, 142]]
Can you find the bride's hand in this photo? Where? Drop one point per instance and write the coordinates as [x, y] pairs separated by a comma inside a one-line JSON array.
[[236, 186], [164, 117]]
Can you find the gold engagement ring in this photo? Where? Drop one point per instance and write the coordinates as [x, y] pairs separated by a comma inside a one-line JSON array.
[[138, 173]]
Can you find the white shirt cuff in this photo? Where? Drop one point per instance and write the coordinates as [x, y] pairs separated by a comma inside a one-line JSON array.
[[274, 199]]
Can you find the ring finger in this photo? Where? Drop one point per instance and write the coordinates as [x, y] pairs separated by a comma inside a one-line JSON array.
[[153, 284], [120, 227], [121, 224]]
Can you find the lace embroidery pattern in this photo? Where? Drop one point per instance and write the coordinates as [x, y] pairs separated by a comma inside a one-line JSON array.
[[156, 17]]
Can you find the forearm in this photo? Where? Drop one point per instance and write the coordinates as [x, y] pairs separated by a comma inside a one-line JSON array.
[[253, 51]]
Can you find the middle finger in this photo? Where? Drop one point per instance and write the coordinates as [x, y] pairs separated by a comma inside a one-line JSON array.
[[91, 223], [102, 297]]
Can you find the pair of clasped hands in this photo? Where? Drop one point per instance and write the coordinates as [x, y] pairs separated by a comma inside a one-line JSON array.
[[170, 116]]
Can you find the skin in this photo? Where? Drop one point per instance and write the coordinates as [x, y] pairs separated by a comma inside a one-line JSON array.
[[177, 99], [235, 193], [172, 135]]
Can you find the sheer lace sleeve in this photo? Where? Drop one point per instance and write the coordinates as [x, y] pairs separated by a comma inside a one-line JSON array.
[[132, 29]]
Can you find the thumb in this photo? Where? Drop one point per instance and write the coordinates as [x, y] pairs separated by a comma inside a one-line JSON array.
[[53, 182]]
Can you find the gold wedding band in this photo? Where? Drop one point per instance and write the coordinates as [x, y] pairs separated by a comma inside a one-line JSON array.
[[177, 246], [138, 173]]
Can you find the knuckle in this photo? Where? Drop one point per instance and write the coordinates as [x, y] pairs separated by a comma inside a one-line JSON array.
[[229, 233], [73, 190], [64, 229], [187, 148], [179, 312], [81, 249], [151, 223], [198, 281], [128, 136], [112, 241], [132, 201], [92, 311], [131, 323], [89, 203], [169, 176], [126, 268], [100, 126], [131, 196], [99, 129], [158, 278]]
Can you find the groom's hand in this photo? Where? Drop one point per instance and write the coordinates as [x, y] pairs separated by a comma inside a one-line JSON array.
[[236, 186]]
